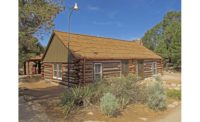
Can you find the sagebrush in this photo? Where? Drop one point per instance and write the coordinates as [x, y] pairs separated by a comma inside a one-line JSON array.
[[109, 104], [156, 95]]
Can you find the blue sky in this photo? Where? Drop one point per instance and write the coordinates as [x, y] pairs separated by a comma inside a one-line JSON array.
[[120, 19]]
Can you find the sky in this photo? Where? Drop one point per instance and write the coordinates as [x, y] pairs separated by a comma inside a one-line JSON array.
[[119, 19]]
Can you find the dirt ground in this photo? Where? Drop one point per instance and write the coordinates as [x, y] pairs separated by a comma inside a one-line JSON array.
[[39, 101], [133, 113], [171, 77]]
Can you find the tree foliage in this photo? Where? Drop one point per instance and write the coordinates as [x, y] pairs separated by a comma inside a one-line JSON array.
[[165, 38], [35, 17]]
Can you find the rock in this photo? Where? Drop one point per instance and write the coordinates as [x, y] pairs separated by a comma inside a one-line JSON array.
[[143, 118], [171, 106], [90, 113]]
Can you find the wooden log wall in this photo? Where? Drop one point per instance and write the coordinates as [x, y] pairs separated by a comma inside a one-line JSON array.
[[75, 75], [148, 72], [132, 66], [81, 71], [88, 71], [48, 71], [111, 69]]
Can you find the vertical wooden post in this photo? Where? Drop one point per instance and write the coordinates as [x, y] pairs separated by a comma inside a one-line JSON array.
[[25, 68]]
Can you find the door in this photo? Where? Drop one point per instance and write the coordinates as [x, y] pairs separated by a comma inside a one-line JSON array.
[[140, 69], [125, 67]]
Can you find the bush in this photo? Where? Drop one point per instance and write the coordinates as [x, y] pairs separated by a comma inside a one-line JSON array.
[[77, 96], [156, 95], [125, 89], [174, 94], [109, 104]]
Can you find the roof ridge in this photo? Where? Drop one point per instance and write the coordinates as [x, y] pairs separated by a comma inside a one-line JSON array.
[[114, 39]]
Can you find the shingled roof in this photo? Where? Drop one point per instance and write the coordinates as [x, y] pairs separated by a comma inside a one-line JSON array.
[[93, 47]]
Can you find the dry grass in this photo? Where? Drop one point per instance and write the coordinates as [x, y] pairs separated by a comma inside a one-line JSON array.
[[171, 77]]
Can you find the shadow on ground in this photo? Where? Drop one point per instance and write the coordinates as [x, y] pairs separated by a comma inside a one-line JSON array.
[[34, 103]]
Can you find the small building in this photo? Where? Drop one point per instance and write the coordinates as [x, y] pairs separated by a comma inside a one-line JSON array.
[[33, 65], [92, 58]]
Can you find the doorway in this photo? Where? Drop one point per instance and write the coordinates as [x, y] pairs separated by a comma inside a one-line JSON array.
[[125, 67], [140, 69]]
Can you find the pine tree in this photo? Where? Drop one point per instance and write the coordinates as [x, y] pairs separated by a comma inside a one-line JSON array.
[[165, 38]]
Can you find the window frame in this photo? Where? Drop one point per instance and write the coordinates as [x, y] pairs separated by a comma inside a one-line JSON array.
[[54, 70], [101, 72], [57, 70]]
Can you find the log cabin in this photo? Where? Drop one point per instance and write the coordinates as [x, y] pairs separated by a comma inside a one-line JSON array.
[[91, 58], [33, 65]]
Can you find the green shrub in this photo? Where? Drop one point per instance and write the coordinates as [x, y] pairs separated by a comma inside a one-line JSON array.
[[174, 94], [73, 97], [156, 95], [109, 104], [125, 89], [157, 77]]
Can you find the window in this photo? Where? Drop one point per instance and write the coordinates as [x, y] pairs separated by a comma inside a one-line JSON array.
[[57, 71], [97, 71], [154, 67], [54, 70]]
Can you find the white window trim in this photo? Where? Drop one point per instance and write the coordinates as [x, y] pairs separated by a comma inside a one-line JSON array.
[[57, 71], [101, 73], [54, 70]]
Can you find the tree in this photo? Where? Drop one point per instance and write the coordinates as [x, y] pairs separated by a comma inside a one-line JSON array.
[[165, 38], [152, 36], [35, 17]]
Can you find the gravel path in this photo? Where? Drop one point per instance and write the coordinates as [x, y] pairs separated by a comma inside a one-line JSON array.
[[174, 116]]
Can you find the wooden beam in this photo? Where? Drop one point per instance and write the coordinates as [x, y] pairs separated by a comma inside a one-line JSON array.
[[25, 68]]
